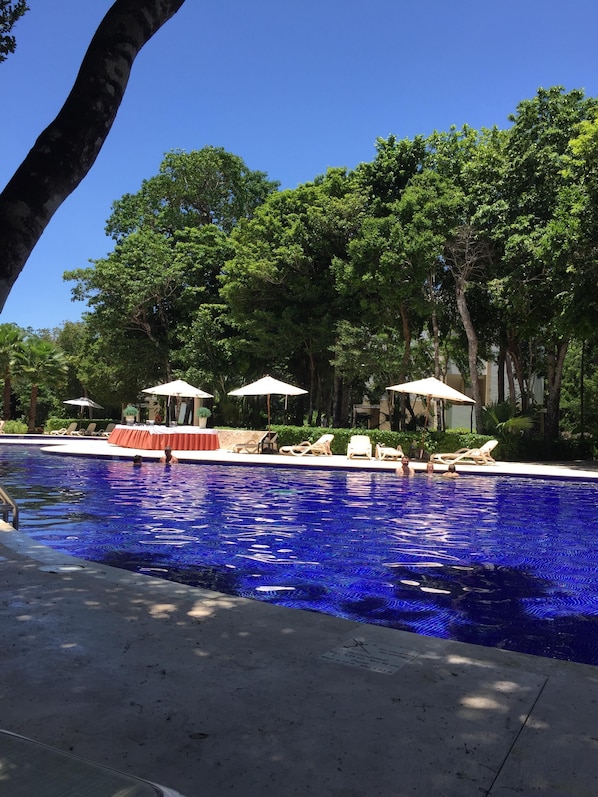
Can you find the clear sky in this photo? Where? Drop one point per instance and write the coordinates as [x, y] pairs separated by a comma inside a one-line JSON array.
[[291, 86]]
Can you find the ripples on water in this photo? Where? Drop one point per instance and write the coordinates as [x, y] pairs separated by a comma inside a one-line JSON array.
[[497, 561]]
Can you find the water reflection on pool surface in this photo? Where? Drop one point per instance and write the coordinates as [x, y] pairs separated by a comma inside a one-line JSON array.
[[500, 561]]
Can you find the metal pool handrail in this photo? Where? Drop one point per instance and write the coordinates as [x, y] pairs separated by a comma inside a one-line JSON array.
[[7, 506]]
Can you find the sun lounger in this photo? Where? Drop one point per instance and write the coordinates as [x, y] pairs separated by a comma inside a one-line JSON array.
[[88, 432], [269, 443], [70, 429], [468, 456], [360, 445], [107, 431], [266, 444], [320, 447], [387, 452]]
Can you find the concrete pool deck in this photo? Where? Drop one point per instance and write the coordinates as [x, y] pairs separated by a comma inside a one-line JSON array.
[[98, 447], [212, 694]]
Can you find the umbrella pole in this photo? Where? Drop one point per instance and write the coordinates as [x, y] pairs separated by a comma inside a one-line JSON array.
[[268, 402]]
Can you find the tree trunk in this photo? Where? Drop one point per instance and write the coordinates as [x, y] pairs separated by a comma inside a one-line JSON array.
[[6, 414], [312, 384], [67, 149], [511, 381], [404, 367], [436, 344], [466, 256], [32, 407], [472, 350], [500, 367], [336, 399], [515, 353], [582, 414], [555, 360], [345, 406]]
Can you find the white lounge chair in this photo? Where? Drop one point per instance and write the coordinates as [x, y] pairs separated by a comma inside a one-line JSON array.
[[88, 432], [266, 444], [468, 456], [388, 452], [70, 429], [360, 445], [320, 447]]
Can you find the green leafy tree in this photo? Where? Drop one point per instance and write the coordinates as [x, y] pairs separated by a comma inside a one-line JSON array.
[[367, 360], [10, 12], [216, 354], [143, 298], [576, 232], [203, 187], [458, 157], [397, 161], [377, 282], [11, 344], [171, 246], [543, 272], [428, 213], [40, 362], [579, 402], [501, 420], [280, 285]]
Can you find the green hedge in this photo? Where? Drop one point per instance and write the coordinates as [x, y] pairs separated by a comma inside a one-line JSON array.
[[410, 442], [511, 448], [14, 427]]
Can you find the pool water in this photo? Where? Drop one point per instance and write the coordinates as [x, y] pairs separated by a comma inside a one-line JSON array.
[[499, 561]]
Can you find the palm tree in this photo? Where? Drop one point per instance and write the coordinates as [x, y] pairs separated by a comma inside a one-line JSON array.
[[501, 420], [11, 343], [40, 362]]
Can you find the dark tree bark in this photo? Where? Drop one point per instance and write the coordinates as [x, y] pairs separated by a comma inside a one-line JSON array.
[[501, 367], [67, 149], [472, 350], [555, 361], [466, 257]]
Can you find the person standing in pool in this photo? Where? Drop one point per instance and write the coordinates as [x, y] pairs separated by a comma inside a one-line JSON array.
[[451, 473], [168, 457], [405, 469]]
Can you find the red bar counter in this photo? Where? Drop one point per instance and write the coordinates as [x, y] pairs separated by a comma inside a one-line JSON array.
[[155, 438]]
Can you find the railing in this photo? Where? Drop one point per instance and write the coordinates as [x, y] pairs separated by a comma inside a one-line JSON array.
[[8, 506]]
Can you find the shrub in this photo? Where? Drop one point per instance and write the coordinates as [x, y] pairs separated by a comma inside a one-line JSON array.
[[511, 448], [14, 427], [410, 442]]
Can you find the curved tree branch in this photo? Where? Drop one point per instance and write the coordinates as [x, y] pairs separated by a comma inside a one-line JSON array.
[[67, 149]]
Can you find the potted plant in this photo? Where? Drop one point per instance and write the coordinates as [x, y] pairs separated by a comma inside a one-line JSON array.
[[203, 413], [130, 413]]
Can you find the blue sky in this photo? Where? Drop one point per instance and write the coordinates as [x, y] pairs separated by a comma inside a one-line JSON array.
[[291, 86]]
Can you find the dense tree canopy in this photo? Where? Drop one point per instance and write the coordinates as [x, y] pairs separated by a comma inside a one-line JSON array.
[[463, 246], [10, 12]]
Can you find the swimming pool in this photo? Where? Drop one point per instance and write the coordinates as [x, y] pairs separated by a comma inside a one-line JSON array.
[[499, 561]]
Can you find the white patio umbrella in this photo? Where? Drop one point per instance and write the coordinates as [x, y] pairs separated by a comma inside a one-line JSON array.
[[432, 388], [177, 389], [267, 386], [84, 402]]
